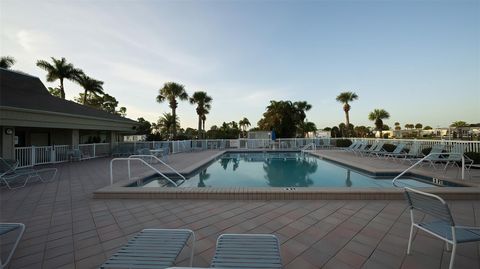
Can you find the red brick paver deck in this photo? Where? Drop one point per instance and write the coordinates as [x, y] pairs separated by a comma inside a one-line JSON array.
[[66, 228]]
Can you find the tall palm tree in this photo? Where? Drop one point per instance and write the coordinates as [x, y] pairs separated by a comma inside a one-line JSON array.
[[345, 98], [167, 124], [244, 123], [458, 125], [60, 70], [378, 115], [7, 62], [90, 85], [170, 92], [204, 103]]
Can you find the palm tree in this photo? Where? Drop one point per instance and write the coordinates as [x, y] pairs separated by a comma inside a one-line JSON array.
[[244, 123], [301, 108], [204, 118], [7, 62], [203, 102], [397, 126], [170, 92], [458, 125], [90, 85], [378, 115], [167, 124], [344, 98], [307, 127], [60, 70]]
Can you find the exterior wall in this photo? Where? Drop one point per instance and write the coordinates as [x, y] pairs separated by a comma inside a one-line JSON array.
[[8, 149]]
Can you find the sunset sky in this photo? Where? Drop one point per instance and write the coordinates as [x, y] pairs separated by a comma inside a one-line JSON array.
[[419, 60]]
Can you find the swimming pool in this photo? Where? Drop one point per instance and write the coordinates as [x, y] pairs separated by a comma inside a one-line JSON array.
[[281, 169]]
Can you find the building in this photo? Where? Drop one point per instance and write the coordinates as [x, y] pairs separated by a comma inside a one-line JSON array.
[[30, 116]]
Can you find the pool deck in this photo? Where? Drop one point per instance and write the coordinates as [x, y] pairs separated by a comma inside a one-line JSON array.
[[188, 163], [67, 228]]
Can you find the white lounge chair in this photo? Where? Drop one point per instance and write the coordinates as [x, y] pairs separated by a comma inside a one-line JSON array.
[[10, 174], [247, 251], [6, 228], [152, 248]]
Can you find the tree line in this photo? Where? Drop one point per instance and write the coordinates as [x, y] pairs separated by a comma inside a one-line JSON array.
[[286, 118], [59, 69]]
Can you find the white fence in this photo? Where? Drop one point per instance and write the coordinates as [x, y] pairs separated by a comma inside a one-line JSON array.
[[30, 156]]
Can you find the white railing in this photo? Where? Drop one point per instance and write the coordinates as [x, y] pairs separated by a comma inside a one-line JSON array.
[[153, 157], [311, 146], [129, 169], [427, 158], [24, 156], [62, 153], [30, 156], [473, 146]]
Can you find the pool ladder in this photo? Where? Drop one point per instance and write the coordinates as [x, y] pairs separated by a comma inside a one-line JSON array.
[[426, 158], [141, 159]]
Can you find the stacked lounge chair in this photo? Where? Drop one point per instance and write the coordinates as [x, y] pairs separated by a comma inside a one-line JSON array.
[[413, 153], [435, 154], [159, 248], [152, 248], [400, 148], [10, 174]]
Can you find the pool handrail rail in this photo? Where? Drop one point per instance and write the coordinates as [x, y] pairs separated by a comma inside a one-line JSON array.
[[307, 146], [129, 170], [426, 158], [160, 161]]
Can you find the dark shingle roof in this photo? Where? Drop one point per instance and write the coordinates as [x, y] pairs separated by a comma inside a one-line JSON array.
[[25, 91]]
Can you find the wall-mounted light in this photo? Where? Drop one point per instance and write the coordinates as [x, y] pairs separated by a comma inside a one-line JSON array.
[[9, 131]]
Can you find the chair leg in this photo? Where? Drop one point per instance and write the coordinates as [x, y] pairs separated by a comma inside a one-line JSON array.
[[410, 238], [452, 257]]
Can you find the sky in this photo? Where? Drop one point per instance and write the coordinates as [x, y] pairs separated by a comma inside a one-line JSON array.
[[419, 60]]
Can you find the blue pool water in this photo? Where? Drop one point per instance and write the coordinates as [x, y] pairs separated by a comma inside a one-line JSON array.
[[277, 169]]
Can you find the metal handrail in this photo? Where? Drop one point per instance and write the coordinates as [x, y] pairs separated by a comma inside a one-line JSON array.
[[425, 158], [129, 171], [312, 145], [160, 161]]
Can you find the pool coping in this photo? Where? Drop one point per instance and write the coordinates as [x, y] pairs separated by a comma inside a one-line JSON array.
[[119, 190]]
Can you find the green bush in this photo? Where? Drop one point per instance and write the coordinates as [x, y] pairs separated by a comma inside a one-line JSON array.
[[389, 147], [343, 143], [475, 156]]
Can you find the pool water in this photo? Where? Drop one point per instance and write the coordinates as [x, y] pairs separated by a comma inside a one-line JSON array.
[[282, 169]]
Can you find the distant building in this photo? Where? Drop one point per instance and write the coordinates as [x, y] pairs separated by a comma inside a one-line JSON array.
[[31, 116]]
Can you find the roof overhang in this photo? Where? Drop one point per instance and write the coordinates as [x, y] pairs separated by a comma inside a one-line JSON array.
[[14, 116]]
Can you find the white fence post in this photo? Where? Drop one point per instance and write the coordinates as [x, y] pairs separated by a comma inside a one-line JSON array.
[[52, 154], [32, 163]]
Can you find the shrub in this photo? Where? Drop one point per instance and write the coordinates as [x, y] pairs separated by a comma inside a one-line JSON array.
[[389, 147], [475, 156], [343, 143]]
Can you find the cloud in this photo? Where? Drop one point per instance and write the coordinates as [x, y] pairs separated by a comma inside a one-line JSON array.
[[137, 75], [33, 41]]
